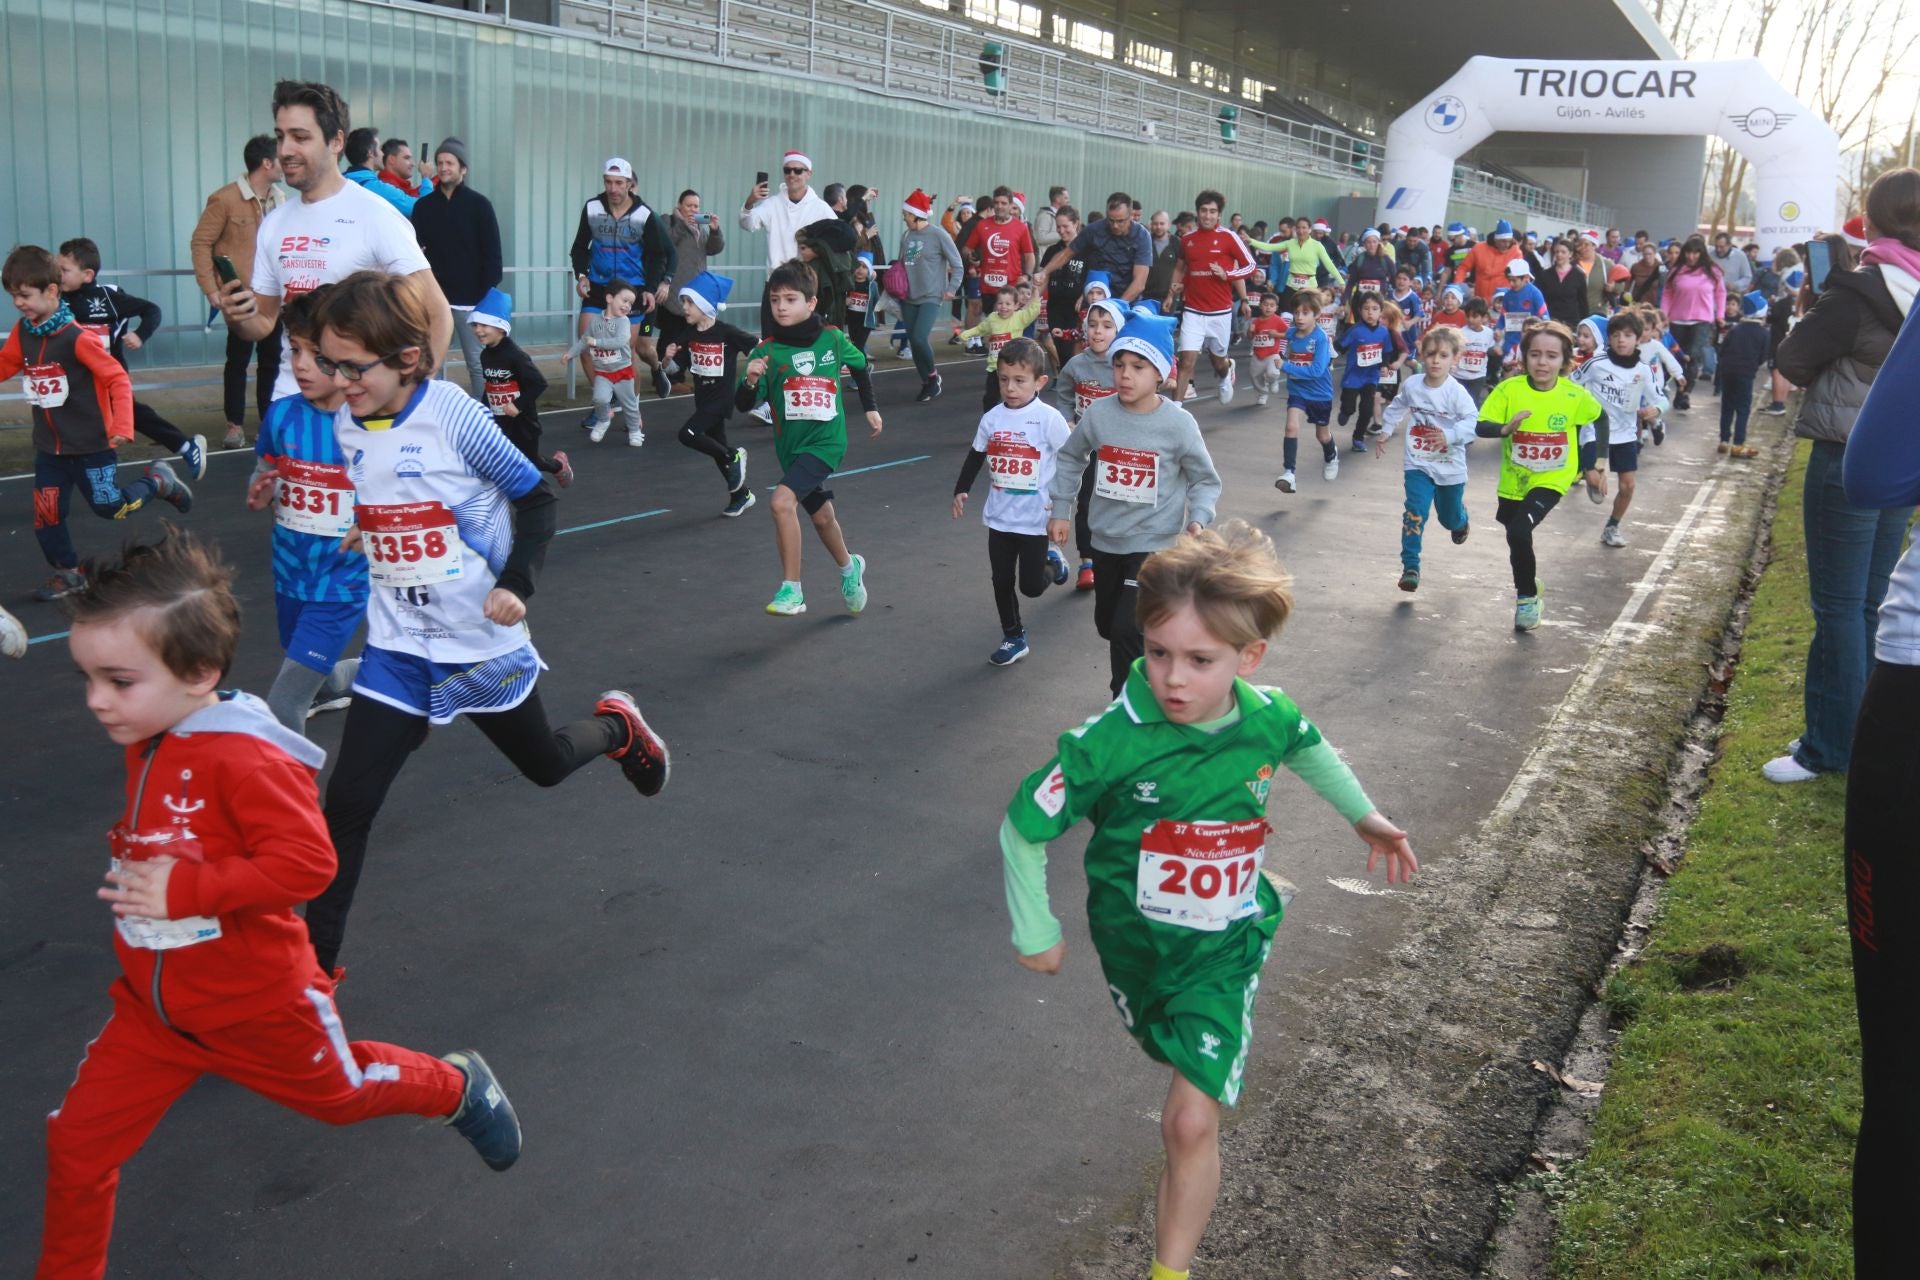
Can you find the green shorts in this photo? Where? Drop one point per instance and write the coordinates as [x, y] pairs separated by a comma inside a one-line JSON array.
[[1202, 1031]]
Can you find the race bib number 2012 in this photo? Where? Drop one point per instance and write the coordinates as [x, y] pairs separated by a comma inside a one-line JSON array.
[[1200, 875]]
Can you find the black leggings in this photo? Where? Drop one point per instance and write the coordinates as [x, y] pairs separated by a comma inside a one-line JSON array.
[[1358, 399], [1008, 552], [706, 432], [1082, 534], [1520, 515], [1114, 593], [374, 747], [1883, 914]]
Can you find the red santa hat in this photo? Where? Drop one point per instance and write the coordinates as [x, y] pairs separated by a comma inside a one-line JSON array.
[[1855, 231], [1320, 224], [919, 204], [1020, 201], [796, 157]]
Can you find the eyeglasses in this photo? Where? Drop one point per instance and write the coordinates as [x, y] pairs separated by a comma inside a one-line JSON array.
[[791, 172], [349, 370]]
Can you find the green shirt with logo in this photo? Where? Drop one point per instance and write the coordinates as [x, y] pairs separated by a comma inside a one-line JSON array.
[[1544, 450], [802, 385]]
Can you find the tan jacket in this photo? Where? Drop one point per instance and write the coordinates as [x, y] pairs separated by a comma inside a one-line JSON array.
[[227, 226]]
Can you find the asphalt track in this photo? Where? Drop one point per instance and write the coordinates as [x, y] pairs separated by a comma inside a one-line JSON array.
[[770, 1023]]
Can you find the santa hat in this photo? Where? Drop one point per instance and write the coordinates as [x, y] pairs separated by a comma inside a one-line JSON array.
[[1097, 280], [1320, 224], [1518, 269], [919, 204], [1456, 228], [1369, 234], [1114, 308], [1502, 228], [866, 258], [707, 291], [1591, 236], [1455, 292], [1794, 278], [495, 309], [1597, 326], [796, 157], [1146, 306], [1149, 336], [1020, 201], [1855, 231], [1752, 304]]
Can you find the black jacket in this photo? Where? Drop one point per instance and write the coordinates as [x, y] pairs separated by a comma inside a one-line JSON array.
[[1838, 347], [461, 239], [113, 312], [1745, 348]]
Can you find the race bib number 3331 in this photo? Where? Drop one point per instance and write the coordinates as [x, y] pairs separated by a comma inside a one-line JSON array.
[[1201, 875]]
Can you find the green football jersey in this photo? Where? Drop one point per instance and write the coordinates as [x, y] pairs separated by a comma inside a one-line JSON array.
[[1174, 888], [802, 385]]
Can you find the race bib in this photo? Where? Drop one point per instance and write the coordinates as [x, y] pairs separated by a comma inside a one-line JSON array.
[[46, 386], [1127, 475], [1013, 466], [1366, 354], [994, 279], [1539, 451], [1366, 286], [857, 302], [995, 341], [1300, 359], [1473, 362], [1298, 282], [1428, 440], [1201, 875], [410, 544], [314, 497], [810, 399], [501, 394], [1085, 393], [160, 935], [1328, 323], [707, 359], [1515, 321], [1264, 341], [608, 355], [1390, 377]]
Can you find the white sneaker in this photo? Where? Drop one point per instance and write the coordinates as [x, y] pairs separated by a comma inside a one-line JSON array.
[[1193, 393], [13, 636], [762, 412], [597, 431], [1784, 769], [1332, 470], [1226, 383], [1612, 537], [636, 437], [1285, 483], [1261, 399]]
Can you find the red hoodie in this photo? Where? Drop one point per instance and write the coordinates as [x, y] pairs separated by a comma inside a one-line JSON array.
[[231, 794]]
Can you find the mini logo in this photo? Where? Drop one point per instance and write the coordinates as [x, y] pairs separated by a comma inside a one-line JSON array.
[[1143, 792], [1209, 1042], [803, 363], [1761, 122], [1790, 211], [1446, 113]]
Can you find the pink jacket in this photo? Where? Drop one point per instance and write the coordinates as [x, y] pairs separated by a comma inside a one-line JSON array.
[[1695, 297]]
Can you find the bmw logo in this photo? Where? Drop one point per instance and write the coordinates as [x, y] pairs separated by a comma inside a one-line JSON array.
[[1446, 113]]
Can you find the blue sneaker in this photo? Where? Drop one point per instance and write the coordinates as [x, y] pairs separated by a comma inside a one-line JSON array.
[[1058, 564], [737, 471], [485, 1117], [1011, 650], [1526, 613], [194, 453]]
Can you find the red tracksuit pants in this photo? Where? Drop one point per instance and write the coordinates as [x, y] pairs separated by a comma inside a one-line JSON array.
[[297, 1055]]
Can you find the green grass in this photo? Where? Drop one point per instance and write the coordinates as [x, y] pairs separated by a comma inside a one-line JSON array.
[[1724, 1141]]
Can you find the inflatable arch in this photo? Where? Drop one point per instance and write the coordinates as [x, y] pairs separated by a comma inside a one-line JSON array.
[[1794, 153]]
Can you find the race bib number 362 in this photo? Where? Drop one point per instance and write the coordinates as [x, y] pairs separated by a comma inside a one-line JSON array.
[[410, 544], [1200, 875], [1127, 475]]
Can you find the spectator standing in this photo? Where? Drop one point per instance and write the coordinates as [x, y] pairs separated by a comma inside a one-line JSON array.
[[461, 238], [1734, 264], [1564, 286], [1695, 300], [1836, 353], [1046, 228], [696, 237], [621, 238], [228, 227], [1613, 250], [1118, 245], [363, 149], [1166, 256], [397, 168], [781, 218], [934, 275]]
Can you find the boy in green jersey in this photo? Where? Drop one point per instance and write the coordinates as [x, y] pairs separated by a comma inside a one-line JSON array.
[[1174, 775], [1537, 417], [796, 371]]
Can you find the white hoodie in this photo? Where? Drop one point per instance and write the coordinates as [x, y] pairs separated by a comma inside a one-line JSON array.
[[1441, 427]]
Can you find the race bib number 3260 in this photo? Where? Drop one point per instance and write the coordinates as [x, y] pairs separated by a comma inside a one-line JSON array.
[[410, 544], [1201, 875]]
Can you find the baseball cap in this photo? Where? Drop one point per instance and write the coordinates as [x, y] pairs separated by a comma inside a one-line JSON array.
[[618, 168]]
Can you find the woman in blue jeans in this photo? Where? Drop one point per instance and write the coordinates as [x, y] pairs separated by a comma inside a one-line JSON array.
[[934, 274], [1835, 352]]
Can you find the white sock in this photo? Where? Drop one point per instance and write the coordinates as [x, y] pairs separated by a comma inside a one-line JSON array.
[[791, 583], [850, 568]]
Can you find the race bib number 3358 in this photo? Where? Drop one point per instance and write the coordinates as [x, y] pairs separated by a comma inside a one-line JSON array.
[[410, 544]]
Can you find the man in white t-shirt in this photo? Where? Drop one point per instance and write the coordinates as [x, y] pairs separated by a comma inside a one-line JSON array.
[[781, 217], [334, 229]]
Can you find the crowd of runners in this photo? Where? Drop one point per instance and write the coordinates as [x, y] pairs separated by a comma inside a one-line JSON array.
[[422, 511]]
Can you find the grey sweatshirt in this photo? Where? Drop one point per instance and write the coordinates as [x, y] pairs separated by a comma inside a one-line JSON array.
[[611, 340], [1081, 381], [933, 263], [1163, 446]]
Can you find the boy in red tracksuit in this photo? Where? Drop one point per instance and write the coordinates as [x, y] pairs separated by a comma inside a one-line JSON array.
[[220, 837]]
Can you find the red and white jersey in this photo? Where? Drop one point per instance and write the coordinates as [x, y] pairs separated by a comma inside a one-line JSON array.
[[1001, 246], [1207, 293], [1267, 333]]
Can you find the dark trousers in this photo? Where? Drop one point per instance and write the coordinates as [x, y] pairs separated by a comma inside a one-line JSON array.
[[991, 396], [1883, 915], [523, 432], [156, 428], [1114, 592], [1082, 535], [1016, 555], [96, 475], [706, 432], [1519, 516], [374, 747], [1360, 400], [233, 378], [1736, 403]]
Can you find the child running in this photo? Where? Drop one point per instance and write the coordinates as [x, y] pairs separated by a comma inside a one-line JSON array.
[[1743, 353], [1087, 377], [82, 402], [1175, 775], [1309, 390], [1478, 343], [796, 370], [455, 522], [219, 840], [514, 383], [1667, 371], [1018, 442], [1369, 348], [712, 349], [1537, 417], [1439, 417], [1154, 478], [1267, 334], [319, 585], [609, 336], [1007, 321], [1624, 387]]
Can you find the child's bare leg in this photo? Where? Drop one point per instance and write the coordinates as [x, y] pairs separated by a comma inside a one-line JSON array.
[[786, 531], [1190, 1129], [1624, 498], [827, 525], [1296, 418]]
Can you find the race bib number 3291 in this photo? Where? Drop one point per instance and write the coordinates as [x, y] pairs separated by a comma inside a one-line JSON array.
[[1201, 875]]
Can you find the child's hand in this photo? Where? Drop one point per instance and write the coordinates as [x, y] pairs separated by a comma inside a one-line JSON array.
[[1515, 421], [1380, 446], [1048, 961], [1597, 481], [1649, 414], [350, 543], [755, 368], [132, 342], [510, 409], [673, 349], [260, 491], [959, 504], [1194, 526], [504, 607], [1384, 840], [873, 420], [1058, 531], [140, 888]]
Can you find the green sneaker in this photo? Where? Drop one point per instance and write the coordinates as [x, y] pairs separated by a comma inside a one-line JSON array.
[[1526, 612], [853, 586], [787, 601]]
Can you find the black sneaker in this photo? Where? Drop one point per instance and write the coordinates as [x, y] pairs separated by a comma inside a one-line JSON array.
[[644, 758], [1460, 535], [926, 392], [485, 1117], [1659, 433], [737, 471], [939, 385], [662, 384], [169, 488], [738, 502]]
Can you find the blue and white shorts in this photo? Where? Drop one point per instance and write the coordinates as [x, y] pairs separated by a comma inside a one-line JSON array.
[[440, 691]]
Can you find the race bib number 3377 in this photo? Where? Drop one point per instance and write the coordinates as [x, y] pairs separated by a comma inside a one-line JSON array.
[[1127, 475]]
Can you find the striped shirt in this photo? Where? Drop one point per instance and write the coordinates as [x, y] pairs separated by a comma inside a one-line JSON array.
[[307, 566]]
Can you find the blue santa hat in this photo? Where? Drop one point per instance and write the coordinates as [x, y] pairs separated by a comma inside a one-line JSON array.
[[1455, 292], [1113, 307], [1456, 228], [1098, 279], [1752, 304], [1794, 278], [495, 309], [1146, 306], [1597, 326], [707, 291], [1502, 228], [866, 258], [1148, 335]]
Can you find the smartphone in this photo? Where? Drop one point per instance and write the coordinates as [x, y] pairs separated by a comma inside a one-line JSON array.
[[224, 268], [1819, 263], [760, 178]]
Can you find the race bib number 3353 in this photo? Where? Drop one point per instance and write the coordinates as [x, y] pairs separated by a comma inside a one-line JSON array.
[[1201, 875]]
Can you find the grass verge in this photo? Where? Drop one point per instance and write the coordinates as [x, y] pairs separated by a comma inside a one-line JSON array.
[[1724, 1142]]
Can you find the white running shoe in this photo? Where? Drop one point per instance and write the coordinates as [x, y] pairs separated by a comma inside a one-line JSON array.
[[1785, 769], [1261, 399], [636, 437], [1226, 383], [597, 430], [1332, 470], [13, 636], [1193, 393], [762, 412], [1285, 483], [1612, 537]]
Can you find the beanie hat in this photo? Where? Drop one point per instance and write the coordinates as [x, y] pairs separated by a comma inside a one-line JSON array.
[[1752, 304], [707, 291], [452, 147], [1098, 280], [919, 204], [1113, 307], [1597, 326], [1518, 268], [1503, 228], [495, 309], [1149, 336]]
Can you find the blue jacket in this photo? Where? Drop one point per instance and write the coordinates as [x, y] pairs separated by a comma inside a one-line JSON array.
[[1356, 374], [635, 247], [1745, 348], [1309, 381], [392, 195], [1882, 464]]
